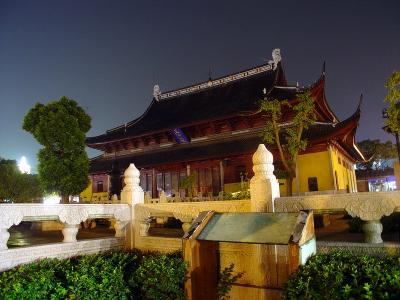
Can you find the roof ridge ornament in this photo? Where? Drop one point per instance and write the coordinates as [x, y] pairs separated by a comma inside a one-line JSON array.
[[270, 65], [276, 58], [156, 92]]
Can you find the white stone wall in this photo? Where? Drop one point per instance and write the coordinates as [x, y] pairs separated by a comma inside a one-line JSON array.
[[13, 257]]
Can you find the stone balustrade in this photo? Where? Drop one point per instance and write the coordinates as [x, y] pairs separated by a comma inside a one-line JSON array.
[[177, 198], [184, 211], [71, 215], [264, 191], [369, 207]]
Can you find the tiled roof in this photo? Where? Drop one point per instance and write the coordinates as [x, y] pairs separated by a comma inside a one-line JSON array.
[[232, 98]]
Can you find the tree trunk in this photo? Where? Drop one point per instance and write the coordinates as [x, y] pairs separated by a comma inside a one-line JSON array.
[[64, 199], [289, 184]]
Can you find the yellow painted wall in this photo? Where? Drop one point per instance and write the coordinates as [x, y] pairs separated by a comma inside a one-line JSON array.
[[232, 187], [87, 195], [314, 165], [309, 165], [319, 165], [282, 187], [346, 177]]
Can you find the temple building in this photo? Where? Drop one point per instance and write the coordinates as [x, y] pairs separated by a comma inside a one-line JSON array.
[[212, 129]]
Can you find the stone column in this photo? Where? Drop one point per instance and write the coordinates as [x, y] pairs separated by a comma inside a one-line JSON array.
[[119, 227], [132, 194], [144, 226], [69, 232], [4, 236], [186, 224], [372, 231], [264, 187], [185, 218]]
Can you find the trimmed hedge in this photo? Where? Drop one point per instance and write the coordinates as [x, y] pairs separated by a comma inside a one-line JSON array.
[[112, 275], [342, 275]]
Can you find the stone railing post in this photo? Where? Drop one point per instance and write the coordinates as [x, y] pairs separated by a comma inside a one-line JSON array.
[[264, 187], [163, 197], [132, 194]]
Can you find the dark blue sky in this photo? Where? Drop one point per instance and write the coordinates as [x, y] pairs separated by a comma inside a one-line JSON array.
[[107, 55]]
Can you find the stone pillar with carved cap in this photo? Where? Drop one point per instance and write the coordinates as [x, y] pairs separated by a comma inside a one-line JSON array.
[[132, 194], [264, 187]]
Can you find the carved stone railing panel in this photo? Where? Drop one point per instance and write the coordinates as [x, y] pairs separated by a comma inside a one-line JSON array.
[[187, 211], [369, 207], [70, 214]]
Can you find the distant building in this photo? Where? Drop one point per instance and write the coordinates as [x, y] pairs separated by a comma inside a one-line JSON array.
[[376, 180], [212, 129]]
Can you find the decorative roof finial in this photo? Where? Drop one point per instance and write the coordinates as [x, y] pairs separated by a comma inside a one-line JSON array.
[[360, 102], [323, 68], [156, 92], [276, 58]]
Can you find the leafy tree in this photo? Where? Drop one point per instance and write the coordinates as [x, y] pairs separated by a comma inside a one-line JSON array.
[[377, 153], [187, 183], [15, 186], [288, 137], [393, 111], [60, 126]]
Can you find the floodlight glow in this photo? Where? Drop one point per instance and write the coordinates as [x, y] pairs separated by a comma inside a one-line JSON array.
[[51, 199], [23, 165]]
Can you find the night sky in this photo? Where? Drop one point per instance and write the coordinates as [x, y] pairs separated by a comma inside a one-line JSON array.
[[107, 55]]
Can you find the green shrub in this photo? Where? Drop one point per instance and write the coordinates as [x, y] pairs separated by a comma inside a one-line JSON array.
[[44, 279], [342, 275], [160, 276], [226, 279], [99, 276], [111, 275]]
